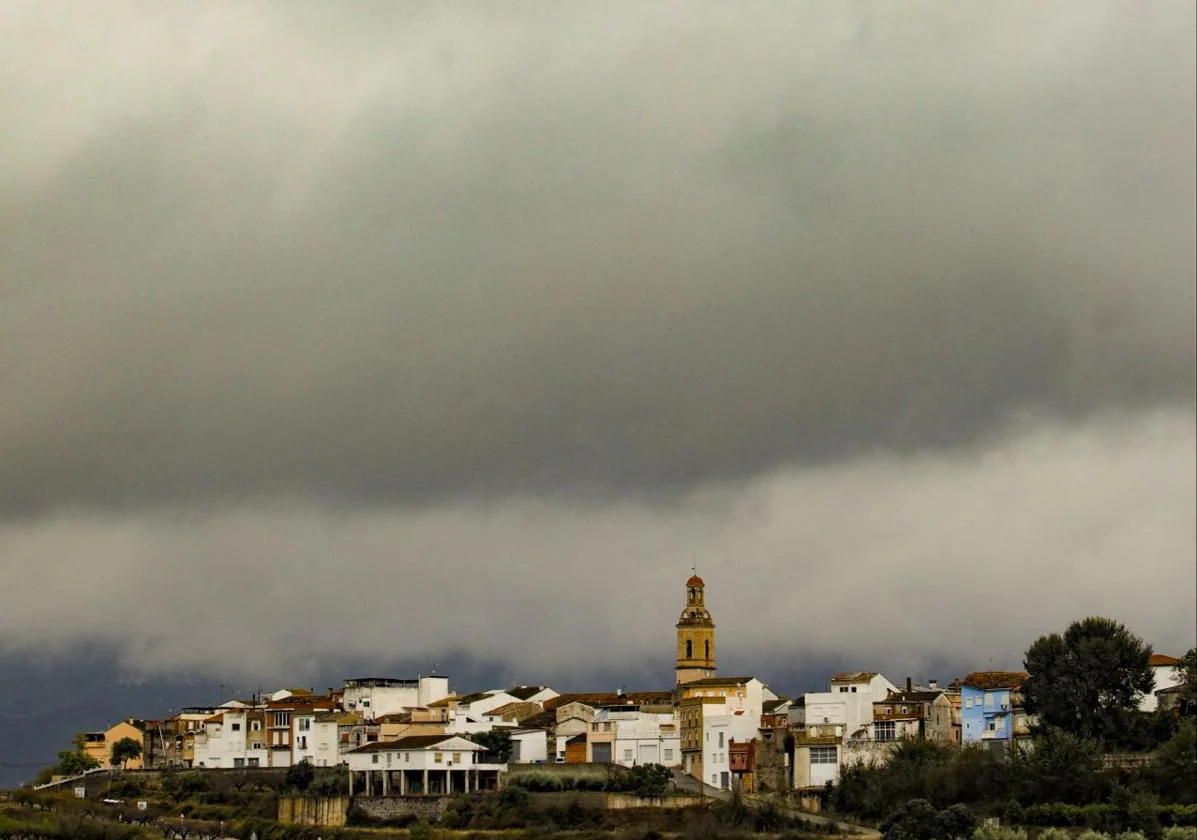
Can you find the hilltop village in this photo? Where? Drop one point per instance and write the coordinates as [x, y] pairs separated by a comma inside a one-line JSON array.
[[415, 736]]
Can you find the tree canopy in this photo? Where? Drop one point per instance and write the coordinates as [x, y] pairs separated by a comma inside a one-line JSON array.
[[74, 762], [1089, 680], [124, 751]]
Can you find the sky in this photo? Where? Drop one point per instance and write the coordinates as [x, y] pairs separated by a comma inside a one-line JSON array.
[[377, 332]]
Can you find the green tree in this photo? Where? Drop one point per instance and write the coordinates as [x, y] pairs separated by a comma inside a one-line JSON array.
[[301, 775], [124, 751], [1188, 683], [1088, 682], [915, 819], [1060, 768], [74, 762], [496, 741], [1175, 767]]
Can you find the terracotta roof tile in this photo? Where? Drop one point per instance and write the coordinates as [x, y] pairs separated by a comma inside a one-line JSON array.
[[1161, 660], [995, 679]]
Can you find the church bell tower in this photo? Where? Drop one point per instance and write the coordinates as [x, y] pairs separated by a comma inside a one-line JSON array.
[[695, 636]]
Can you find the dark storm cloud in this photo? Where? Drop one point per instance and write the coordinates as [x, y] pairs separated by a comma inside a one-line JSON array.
[[364, 255]]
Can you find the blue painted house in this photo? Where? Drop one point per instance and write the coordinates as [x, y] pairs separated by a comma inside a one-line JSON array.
[[991, 708]]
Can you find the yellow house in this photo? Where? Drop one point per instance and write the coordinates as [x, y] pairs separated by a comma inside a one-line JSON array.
[[99, 745]]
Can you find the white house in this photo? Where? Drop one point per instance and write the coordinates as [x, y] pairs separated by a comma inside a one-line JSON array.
[[719, 730], [824, 721], [537, 694], [632, 735], [421, 765], [233, 738], [1167, 674], [529, 746], [376, 696]]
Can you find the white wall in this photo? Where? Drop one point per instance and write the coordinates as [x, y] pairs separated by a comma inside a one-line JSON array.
[[533, 745], [1166, 676]]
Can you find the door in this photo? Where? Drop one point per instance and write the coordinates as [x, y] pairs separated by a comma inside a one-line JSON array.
[[648, 754], [600, 753]]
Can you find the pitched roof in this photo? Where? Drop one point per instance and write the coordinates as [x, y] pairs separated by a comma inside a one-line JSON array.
[[523, 692], [444, 701], [516, 711], [544, 720], [342, 718], [631, 698], [1162, 660], [394, 717], [717, 681], [995, 679], [853, 676], [411, 742], [471, 698], [910, 697]]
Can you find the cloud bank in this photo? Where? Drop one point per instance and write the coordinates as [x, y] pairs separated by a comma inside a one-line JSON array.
[[363, 328]]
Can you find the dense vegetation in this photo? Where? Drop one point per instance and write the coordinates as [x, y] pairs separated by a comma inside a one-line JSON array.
[[1085, 686]]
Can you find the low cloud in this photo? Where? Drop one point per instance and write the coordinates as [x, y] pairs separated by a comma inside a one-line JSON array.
[[893, 563]]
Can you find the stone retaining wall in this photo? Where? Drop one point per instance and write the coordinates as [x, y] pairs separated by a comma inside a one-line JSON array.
[[329, 811]]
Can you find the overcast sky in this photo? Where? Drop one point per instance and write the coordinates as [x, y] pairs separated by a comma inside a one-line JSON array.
[[366, 329]]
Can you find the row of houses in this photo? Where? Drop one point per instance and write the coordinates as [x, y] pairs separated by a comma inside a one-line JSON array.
[[417, 736]]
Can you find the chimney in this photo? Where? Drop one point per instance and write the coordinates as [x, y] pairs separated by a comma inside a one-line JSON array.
[[909, 686], [934, 684]]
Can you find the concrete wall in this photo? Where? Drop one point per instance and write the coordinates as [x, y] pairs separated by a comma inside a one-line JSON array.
[[601, 800], [329, 811], [393, 807]]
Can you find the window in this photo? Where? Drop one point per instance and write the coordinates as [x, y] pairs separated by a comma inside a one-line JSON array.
[[374, 758], [883, 730], [594, 727], [968, 702], [255, 726], [438, 757], [257, 745], [282, 718], [407, 758], [607, 726], [389, 756], [721, 739], [255, 762], [238, 762], [707, 646], [689, 649], [905, 710], [236, 727], [853, 689], [305, 724], [303, 742], [993, 725], [365, 704], [627, 755], [822, 755], [669, 755], [989, 700], [457, 758]]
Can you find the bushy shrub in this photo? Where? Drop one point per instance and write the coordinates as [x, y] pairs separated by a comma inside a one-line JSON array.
[[986, 832], [1053, 834], [1177, 832]]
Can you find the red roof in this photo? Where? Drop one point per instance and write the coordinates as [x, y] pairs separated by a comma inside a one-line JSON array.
[[695, 580], [996, 679], [1161, 660]]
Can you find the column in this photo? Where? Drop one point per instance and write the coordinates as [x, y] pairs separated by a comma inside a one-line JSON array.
[[403, 782], [350, 772], [385, 775], [424, 790]]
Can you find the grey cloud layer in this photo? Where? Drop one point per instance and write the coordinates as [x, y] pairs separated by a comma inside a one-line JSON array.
[[351, 254], [890, 563]]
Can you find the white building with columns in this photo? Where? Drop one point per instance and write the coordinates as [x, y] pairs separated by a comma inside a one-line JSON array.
[[421, 765]]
